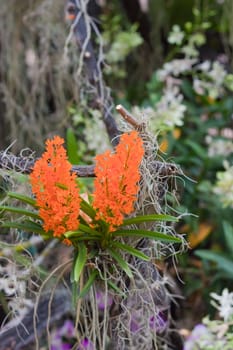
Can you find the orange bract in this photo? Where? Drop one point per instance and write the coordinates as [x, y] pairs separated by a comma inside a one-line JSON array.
[[55, 188], [117, 176]]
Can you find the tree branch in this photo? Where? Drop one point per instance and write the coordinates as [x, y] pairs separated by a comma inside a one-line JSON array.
[[24, 165], [81, 25]]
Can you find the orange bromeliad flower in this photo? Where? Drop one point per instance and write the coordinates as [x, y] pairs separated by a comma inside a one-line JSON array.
[[56, 191], [117, 176]]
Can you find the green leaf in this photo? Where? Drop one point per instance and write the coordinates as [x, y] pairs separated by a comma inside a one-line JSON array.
[[72, 147], [88, 229], [187, 89], [131, 250], [20, 211], [79, 236], [196, 148], [80, 261], [75, 234], [27, 226], [88, 284], [147, 234], [146, 218], [114, 287], [228, 232], [83, 231], [74, 287], [22, 198], [121, 262], [222, 262], [87, 209]]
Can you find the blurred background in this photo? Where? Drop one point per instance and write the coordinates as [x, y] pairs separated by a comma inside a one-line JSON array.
[[170, 61]]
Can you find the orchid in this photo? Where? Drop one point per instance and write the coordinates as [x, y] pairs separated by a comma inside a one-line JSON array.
[[93, 224]]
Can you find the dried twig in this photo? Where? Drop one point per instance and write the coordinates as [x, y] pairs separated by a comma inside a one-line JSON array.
[[129, 118]]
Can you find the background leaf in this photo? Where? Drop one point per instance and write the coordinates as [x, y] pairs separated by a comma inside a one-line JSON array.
[[228, 233], [147, 234], [131, 250], [72, 147], [121, 262], [80, 261], [146, 218], [222, 262]]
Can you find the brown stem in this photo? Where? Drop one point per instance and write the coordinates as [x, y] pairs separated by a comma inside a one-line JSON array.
[[128, 117]]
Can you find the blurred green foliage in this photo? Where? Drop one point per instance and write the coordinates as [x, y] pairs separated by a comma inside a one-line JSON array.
[[188, 100], [185, 93], [197, 91]]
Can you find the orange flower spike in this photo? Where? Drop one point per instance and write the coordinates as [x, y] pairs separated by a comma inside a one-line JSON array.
[[117, 176], [55, 188]]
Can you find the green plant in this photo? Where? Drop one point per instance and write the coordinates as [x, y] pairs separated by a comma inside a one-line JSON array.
[[189, 106], [99, 229], [214, 334]]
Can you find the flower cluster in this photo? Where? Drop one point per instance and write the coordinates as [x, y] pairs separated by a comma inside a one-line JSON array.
[[55, 188], [170, 110], [219, 147], [116, 185], [117, 176], [224, 186], [208, 80], [176, 67], [214, 334], [176, 36], [225, 306], [189, 42], [212, 79], [167, 113]]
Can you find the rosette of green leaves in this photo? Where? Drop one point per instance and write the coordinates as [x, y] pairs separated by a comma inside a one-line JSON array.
[[91, 237]]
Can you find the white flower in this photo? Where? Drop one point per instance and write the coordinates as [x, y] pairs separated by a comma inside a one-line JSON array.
[[167, 113], [212, 82], [199, 86], [224, 304], [190, 51], [95, 127], [217, 73], [197, 39], [219, 147], [170, 110], [224, 186], [176, 36], [204, 66], [175, 68]]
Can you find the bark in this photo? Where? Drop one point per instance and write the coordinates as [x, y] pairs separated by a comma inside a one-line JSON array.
[[102, 99]]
